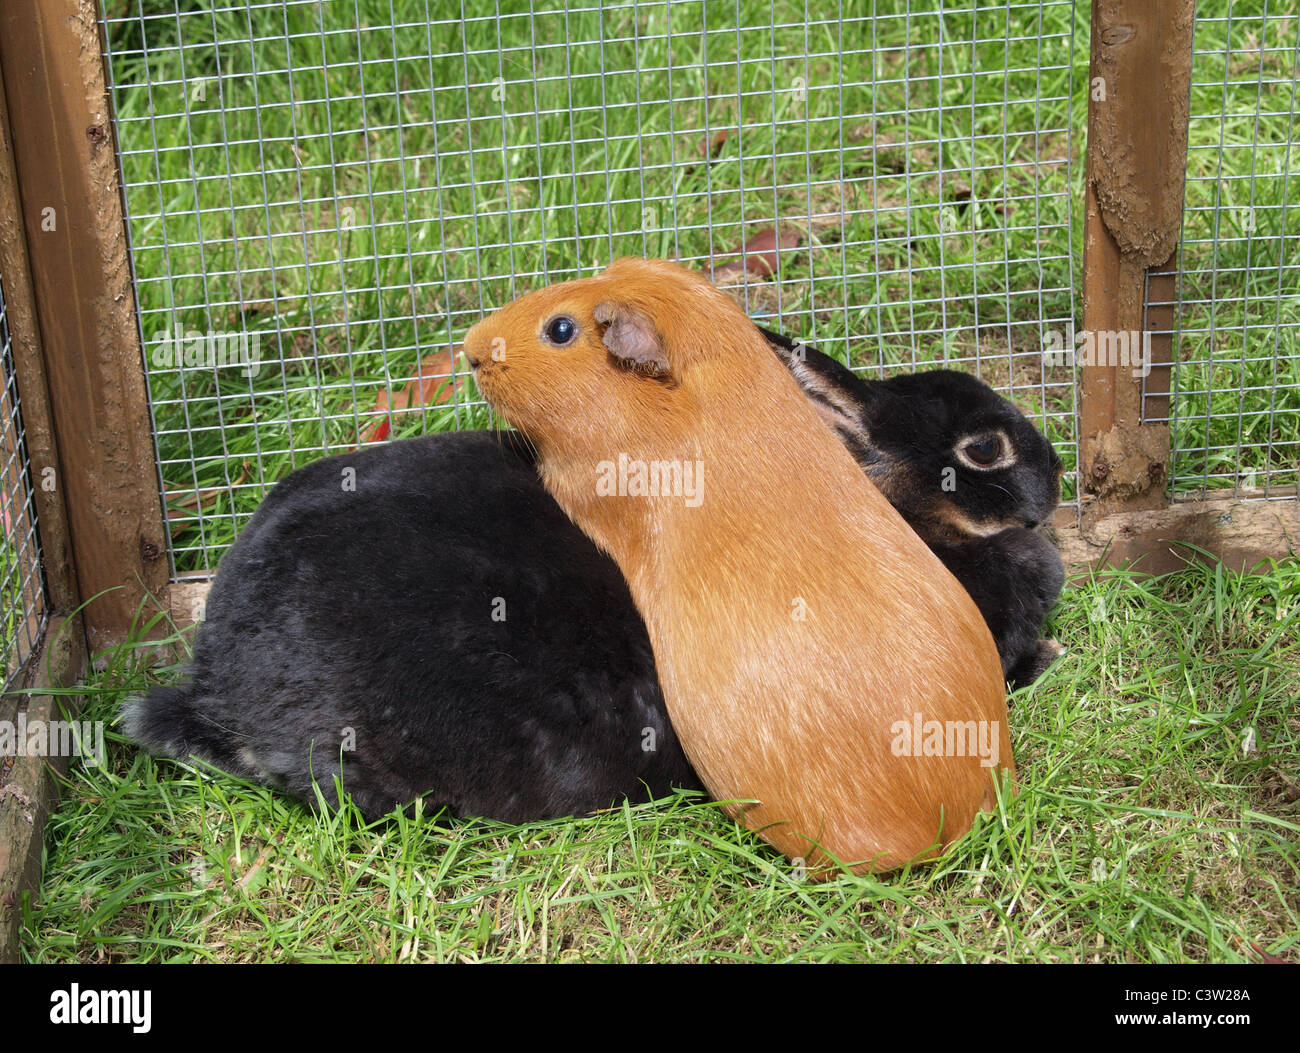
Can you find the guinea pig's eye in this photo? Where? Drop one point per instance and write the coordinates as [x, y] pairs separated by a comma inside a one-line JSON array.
[[985, 451], [561, 330]]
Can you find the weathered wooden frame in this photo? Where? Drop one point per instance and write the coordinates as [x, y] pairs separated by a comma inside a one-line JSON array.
[[70, 202], [1140, 72]]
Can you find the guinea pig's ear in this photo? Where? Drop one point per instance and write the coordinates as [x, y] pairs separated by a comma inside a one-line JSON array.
[[632, 339]]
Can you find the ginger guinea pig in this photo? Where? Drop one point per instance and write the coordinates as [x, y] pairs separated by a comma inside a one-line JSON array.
[[822, 669]]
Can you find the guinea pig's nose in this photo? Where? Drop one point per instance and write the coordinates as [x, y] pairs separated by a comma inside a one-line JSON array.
[[471, 347]]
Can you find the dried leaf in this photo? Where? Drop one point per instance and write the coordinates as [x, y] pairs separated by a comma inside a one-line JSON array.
[[759, 255], [1268, 959], [709, 146], [431, 388]]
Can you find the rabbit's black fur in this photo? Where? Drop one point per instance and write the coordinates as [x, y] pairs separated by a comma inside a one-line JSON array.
[[443, 630], [445, 620]]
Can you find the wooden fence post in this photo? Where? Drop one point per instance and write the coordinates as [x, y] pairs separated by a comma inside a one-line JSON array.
[[33, 392], [1139, 88], [63, 147]]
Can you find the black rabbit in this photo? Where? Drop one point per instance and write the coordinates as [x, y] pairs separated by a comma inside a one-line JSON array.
[[421, 619], [970, 474]]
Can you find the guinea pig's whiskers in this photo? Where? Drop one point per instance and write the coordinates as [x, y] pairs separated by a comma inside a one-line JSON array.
[[532, 449], [497, 425]]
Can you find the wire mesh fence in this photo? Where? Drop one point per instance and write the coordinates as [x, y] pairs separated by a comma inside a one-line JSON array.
[[323, 197], [23, 610], [1235, 411]]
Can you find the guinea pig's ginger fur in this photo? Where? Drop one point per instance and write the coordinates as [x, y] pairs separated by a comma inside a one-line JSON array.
[[816, 658]]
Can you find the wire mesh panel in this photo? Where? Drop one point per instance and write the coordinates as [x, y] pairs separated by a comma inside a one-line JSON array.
[[322, 197], [22, 593], [1235, 411]]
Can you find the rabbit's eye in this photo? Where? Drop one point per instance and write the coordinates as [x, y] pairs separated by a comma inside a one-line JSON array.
[[984, 451], [561, 330]]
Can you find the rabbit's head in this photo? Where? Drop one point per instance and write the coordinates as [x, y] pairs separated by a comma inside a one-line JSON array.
[[972, 460], [952, 455]]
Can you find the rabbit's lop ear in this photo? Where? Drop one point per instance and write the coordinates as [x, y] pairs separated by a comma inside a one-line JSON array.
[[632, 339]]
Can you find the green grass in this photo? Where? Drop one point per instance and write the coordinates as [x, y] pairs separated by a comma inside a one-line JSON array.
[[1150, 826]]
